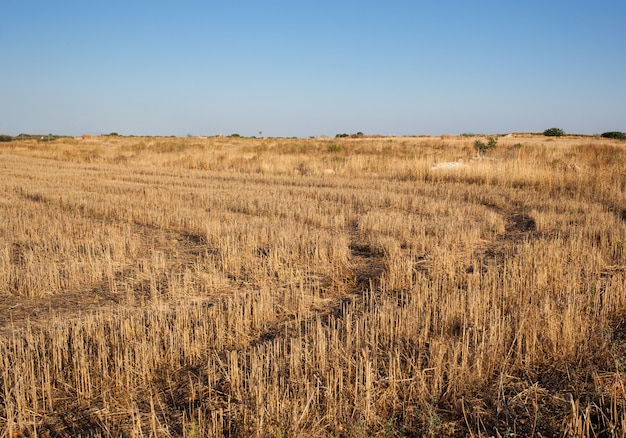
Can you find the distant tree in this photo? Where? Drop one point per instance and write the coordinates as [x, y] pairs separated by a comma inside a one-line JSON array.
[[554, 132], [615, 134], [5, 138], [235, 135], [344, 135]]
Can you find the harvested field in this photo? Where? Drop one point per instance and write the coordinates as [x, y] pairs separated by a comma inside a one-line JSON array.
[[312, 287]]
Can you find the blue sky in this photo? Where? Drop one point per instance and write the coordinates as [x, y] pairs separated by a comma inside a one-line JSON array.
[[303, 68]]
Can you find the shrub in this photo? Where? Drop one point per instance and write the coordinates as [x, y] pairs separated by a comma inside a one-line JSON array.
[[334, 148], [554, 132], [615, 134], [4, 138], [483, 148]]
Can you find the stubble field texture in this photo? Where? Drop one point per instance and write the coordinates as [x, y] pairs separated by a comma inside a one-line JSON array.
[[312, 287]]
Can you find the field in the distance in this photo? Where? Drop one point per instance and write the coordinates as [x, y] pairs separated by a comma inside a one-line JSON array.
[[312, 287]]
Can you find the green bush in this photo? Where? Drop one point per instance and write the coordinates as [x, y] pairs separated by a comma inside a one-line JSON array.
[[554, 132], [615, 134], [334, 148], [4, 138], [483, 148]]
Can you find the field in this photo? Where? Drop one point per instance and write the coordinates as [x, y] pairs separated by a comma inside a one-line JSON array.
[[313, 287]]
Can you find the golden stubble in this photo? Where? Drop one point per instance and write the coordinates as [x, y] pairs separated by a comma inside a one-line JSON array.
[[284, 287]]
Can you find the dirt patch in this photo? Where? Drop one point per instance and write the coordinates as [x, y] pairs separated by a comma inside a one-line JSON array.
[[367, 263], [520, 224], [519, 227]]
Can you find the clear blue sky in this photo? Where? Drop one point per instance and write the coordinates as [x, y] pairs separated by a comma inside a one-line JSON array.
[[301, 68]]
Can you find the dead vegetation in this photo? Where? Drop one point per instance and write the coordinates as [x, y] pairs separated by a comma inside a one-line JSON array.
[[319, 287]]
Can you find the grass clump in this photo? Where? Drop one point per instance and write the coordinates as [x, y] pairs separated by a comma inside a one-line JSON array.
[[334, 148], [482, 148]]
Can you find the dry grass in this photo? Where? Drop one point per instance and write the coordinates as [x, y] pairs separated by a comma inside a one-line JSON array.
[[287, 287]]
